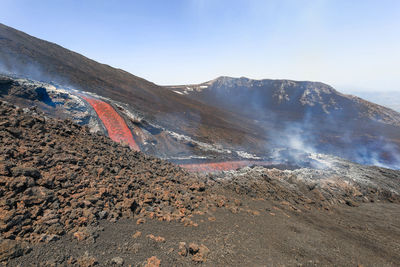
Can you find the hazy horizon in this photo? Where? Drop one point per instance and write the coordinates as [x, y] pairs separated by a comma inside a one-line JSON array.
[[351, 45]]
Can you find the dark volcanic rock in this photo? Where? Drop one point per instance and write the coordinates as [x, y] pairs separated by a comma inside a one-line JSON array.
[[64, 179], [26, 171]]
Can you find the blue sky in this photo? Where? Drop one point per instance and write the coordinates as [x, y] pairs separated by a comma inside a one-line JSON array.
[[350, 44]]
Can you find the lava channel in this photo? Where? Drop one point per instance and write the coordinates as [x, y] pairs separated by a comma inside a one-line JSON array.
[[116, 127], [221, 166]]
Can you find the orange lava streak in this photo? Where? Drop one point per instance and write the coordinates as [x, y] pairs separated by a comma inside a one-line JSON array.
[[221, 166], [116, 127]]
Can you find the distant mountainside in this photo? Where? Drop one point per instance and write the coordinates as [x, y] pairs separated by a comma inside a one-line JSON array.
[[313, 114], [291, 99], [388, 99]]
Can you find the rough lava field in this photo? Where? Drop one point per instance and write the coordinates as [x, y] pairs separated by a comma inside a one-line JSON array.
[[99, 167], [65, 185]]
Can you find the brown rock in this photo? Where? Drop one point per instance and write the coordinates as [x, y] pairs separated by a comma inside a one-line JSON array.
[[86, 260], [198, 187], [6, 215], [234, 209], [100, 172], [26, 171], [117, 261], [71, 261], [80, 236], [48, 238], [37, 195], [193, 248], [220, 203], [156, 238], [201, 255], [148, 198], [183, 250], [153, 262], [212, 219], [130, 204], [5, 168], [137, 234], [140, 221], [255, 212], [237, 202], [351, 203]]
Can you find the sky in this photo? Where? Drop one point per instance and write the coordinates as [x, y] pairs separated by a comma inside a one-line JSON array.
[[353, 45]]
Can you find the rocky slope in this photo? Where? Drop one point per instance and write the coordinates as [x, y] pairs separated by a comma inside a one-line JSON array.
[[60, 184], [389, 99], [56, 177]]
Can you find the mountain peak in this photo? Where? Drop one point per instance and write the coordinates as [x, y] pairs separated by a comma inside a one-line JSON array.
[[226, 80]]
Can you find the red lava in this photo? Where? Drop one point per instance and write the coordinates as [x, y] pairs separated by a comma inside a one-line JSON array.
[[118, 131], [221, 166], [116, 127]]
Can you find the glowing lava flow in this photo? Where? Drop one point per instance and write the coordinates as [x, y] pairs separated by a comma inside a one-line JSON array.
[[116, 127], [221, 166], [118, 131]]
